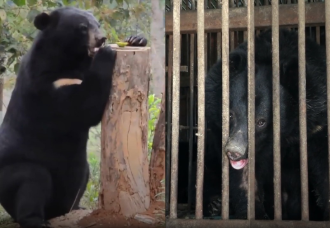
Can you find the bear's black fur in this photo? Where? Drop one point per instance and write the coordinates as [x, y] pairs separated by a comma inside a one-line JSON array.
[[211, 185], [236, 147], [62, 89]]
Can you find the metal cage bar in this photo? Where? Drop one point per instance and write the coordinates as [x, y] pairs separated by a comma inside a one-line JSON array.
[[238, 20], [182, 223], [276, 112], [327, 40], [201, 109], [251, 111], [175, 105], [223, 46], [225, 108], [302, 111]]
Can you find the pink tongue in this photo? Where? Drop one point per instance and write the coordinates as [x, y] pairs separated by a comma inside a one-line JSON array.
[[239, 164]]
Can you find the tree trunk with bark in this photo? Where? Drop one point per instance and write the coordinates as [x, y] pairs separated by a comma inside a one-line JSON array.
[[157, 35], [157, 161], [124, 185]]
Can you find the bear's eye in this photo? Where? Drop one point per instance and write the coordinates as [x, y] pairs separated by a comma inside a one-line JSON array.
[[83, 27], [261, 122], [231, 115]]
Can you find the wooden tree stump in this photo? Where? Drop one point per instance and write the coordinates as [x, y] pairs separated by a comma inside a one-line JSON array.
[[124, 162], [157, 161]]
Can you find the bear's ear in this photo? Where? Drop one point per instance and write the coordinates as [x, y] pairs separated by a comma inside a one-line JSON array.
[[290, 76], [44, 20], [235, 61], [41, 21]]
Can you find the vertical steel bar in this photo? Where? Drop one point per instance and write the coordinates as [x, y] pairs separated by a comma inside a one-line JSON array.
[[276, 110], [251, 110], [201, 109], [175, 107], [225, 108], [327, 40], [219, 45], [169, 123], [302, 111], [191, 119]]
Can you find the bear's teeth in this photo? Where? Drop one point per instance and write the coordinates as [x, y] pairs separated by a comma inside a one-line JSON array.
[[96, 49]]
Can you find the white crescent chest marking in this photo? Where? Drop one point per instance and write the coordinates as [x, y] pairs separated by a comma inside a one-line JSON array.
[[66, 81]]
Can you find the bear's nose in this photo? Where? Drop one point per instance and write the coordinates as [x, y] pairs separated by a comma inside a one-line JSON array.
[[234, 156]]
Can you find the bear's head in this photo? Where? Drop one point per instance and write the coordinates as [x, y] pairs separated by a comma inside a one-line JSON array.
[[237, 145], [74, 30]]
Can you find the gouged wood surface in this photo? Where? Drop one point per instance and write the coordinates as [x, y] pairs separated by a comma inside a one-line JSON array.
[[124, 164]]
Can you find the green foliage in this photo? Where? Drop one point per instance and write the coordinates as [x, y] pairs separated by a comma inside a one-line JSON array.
[[118, 19], [154, 110], [90, 198]]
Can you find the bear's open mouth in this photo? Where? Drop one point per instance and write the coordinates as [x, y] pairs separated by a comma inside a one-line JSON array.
[[93, 50], [238, 164]]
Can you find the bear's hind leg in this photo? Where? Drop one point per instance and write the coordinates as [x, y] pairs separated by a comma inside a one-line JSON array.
[[25, 190]]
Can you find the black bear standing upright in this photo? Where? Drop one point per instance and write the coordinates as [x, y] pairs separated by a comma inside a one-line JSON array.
[[62, 89], [236, 147]]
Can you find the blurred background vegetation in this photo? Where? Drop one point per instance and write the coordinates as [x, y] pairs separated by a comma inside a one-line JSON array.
[[118, 18]]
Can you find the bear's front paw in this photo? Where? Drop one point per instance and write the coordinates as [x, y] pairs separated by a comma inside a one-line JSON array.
[[136, 41], [104, 61], [214, 207], [105, 54]]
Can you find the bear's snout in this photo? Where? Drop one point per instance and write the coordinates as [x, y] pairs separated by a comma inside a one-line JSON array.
[[236, 149], [234, 156]]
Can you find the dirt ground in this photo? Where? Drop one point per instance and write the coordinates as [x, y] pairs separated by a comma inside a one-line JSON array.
[[153, 218], [102, 219]]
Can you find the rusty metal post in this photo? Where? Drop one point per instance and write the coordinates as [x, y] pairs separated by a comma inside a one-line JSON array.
[[201, 109], [276, 112], [225, 108], [302, 111], [175, 106], [251, 111], [327, 40]]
